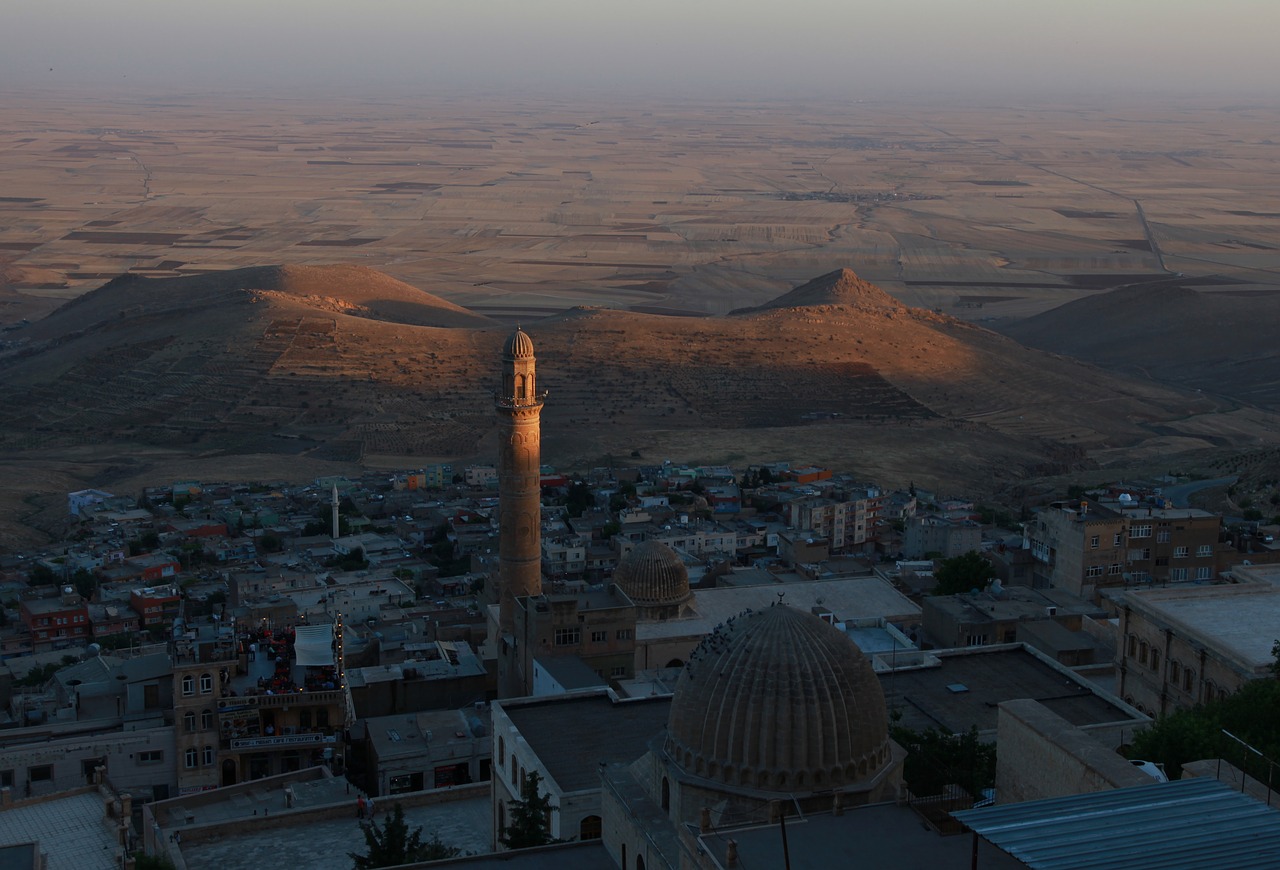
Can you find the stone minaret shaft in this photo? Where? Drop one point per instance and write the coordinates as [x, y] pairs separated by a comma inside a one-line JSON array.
[[519, 407]]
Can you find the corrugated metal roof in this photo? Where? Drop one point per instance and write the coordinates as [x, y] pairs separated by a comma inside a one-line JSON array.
[[1185, 825]]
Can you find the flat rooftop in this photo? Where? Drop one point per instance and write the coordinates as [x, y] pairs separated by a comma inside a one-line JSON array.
[[848, 598], [966, 689], [465, 824], [72, 831], [1242, 621], [573, 734]]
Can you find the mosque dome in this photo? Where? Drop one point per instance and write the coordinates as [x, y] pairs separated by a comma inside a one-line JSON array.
[[779, 700], [652, 574], [518, 346]]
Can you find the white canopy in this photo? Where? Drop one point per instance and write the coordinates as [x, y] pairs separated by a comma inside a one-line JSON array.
[[313, 645]]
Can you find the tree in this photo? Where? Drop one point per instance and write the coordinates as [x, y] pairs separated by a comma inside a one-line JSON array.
[[962, 573], [84, 581], [392, 844], [1251, 714], [936, 759], [530, 817]]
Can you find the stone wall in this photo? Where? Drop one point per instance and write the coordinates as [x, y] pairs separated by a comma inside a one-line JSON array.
[[1042, 755]]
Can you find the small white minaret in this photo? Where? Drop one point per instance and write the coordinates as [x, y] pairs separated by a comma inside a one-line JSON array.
[[335, 511]]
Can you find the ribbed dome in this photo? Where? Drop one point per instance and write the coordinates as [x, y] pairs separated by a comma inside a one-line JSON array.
[[518, 346], [653, 574], [777, 699]]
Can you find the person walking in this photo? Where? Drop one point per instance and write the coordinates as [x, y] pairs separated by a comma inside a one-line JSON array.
[[360, 805]]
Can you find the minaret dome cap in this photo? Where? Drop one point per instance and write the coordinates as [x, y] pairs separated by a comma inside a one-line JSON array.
[[518, 346]]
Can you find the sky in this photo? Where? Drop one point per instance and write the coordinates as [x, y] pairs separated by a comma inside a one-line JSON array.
[[661, 47]]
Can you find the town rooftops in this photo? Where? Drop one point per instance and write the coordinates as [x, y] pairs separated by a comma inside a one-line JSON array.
[[1241, 620]]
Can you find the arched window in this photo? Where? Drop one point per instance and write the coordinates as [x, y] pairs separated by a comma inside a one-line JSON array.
[[208, 756], [206, 683], [189, 757], [502, 750], [589, 828], [188, 685], [624, 856], [515, 771], [189, 721], [666, 794], [519, 386], [639, 862], [206, 720], [502, 818]]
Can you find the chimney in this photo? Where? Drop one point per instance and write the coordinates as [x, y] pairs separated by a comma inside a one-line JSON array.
[[731, 855], [704, 817]]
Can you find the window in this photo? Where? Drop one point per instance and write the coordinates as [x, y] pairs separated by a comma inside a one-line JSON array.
[[1188, 679], [206, 683], [502, 750], [1175, 671], [1139, 555], [189, 721], [1143, 651], [1177, 575], [1139, 532], [189, 757], [515, 771], [151, 756], [188, 685], [1180, 552], [208, 756], [599, 636], [6, 779], [1133, 645], [1204, 550], [1093, 571], [1162, 536], [1155, 660], [619, 671], [1116, 539], [206, 720], [1093, 542], [624, 634], [40, 773], [568, 636], [1112, 570], [1205, 573]]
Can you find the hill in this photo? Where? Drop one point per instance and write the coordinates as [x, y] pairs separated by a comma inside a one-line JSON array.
[[1215, 342], [307, 367], [841, 287]]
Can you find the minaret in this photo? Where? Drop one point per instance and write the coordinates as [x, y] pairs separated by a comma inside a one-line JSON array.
[[519, 407], [335, 512]]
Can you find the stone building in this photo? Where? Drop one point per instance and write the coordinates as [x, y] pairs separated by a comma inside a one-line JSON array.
[[1084, 547], [1180, 647]]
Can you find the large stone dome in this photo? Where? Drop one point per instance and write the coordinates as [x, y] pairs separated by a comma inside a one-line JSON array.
[[518, 346], [778, 699], [652, 574]]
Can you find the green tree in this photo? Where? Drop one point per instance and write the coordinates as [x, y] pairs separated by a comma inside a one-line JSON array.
[[936, 759], [41, 575], [580, 498], [84, 581], [530, 817], [143, 861], [1252, 714], [271, 543], [962, 573], [393, 844]]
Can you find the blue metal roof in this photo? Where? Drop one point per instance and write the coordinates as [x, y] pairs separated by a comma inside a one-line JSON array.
[[1190, 824]]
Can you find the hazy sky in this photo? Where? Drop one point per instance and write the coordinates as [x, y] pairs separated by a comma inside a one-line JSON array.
[[745, 47]]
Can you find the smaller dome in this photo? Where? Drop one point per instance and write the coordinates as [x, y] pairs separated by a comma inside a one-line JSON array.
[[518, 346], [652, 574]]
